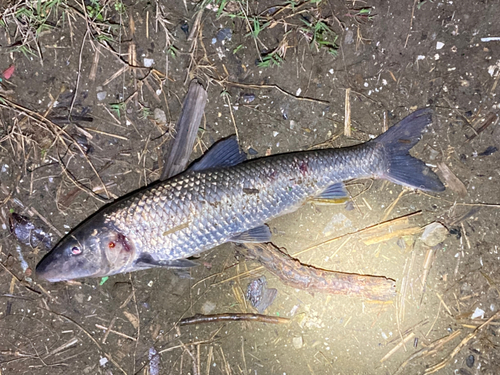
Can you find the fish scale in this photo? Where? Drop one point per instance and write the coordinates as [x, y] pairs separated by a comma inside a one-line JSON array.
[[223, 198], [211, 207]]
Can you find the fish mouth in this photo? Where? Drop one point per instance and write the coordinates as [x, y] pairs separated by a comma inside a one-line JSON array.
[[47, 269], [57, 266]]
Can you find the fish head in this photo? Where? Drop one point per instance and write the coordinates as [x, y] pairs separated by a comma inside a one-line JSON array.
[[93, 249]]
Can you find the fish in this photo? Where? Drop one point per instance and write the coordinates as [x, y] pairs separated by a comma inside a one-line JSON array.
[[223, 197]]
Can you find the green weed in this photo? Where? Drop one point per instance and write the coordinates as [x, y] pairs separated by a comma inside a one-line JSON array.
[[118, 108], [321, 36]]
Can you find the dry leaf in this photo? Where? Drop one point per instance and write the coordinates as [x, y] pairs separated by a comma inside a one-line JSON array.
[[451, 180]]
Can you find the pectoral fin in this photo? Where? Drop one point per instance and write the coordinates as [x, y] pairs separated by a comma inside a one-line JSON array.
[[147, 261], [258, 234], [333, 194]]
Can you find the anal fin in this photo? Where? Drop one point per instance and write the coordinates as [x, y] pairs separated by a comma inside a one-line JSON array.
[[333, 194], [254, 235]]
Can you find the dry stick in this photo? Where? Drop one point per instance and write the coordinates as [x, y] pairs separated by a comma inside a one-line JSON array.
[[347, 117], [393, 204], [398, 346], [196, 24], [243, 355], [411, 22], [490, 119], [470, 336], [232, 117], [199, 318], [404, 285], [64, 346], [95, 64], [78, 74], [273, 86], [209, 359], [428, 260], [107, 134], [177, 156], [371, 227], [297, 275], [109, 330]]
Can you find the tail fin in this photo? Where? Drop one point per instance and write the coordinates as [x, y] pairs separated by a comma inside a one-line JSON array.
[[404, 169]]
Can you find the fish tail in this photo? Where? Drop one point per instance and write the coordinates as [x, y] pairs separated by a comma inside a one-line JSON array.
[[402, 168]]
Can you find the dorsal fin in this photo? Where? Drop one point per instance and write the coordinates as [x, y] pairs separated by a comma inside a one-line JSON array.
[[225, 153]]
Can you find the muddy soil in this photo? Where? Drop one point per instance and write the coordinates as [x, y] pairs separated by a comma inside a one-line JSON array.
[[402, 56]]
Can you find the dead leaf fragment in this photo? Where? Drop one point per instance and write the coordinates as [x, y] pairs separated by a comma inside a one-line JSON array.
[[132, 318], [451, 180]]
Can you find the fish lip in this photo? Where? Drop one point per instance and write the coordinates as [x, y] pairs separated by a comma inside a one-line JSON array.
[[43, 270]]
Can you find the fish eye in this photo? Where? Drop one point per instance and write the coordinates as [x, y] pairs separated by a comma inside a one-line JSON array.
[[111, 245], [76, 250]]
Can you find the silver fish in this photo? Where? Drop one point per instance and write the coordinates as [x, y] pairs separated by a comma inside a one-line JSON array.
[[224, 198]]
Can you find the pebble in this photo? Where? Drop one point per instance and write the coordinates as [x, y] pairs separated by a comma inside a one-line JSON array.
[[434, 234], [208, 307], [298, 342], [469, 361], [101, 95], [160, 116]]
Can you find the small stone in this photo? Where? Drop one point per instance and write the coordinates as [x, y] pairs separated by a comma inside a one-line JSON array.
[[160, 116], [248, 98], [101, 95], [148, 63], [298, 342], [439, 45], [434, 234], [478, 313], [252, 151], [469, 361], [208, 307], [224, 34]]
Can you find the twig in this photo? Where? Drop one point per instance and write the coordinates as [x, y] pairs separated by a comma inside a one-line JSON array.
[[232, 117], [273, 86], [109, 330], [347, 117], [411, 22], [78, 74], [199, 318], [398, 346]]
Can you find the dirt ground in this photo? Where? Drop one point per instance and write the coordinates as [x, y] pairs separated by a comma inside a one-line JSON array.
[[391, 58]]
